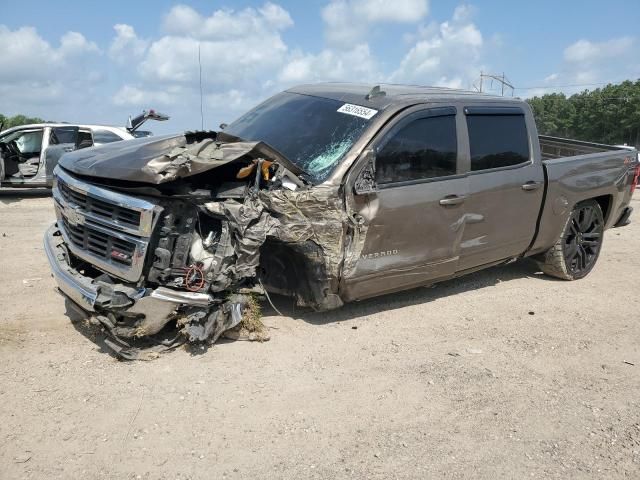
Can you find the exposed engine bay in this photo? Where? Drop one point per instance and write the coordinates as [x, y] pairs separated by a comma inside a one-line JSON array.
[[230, 220]]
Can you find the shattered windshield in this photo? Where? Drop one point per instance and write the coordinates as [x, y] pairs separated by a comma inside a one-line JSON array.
[[309, 131]]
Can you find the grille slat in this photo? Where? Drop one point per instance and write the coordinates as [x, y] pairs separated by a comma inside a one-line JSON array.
[[99, 208], [106, 228], [105, 246]]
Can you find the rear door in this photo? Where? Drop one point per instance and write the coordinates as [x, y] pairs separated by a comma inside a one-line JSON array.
[[412, 220], [506, 184]]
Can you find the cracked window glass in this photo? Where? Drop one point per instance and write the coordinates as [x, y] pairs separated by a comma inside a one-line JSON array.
[[308, 130]]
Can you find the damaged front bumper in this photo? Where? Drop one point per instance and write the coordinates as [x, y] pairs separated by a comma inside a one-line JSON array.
[[129, 315], [84, 292], [81, 290]]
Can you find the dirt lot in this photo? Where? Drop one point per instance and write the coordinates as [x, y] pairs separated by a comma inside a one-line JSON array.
[[502, 374]]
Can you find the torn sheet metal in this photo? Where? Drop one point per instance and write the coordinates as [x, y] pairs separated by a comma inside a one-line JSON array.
[[314, 214], [162, 159], [208, 250], [143, 339]]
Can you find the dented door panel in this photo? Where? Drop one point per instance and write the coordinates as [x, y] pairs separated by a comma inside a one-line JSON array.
[[500, 217], [411, 238]]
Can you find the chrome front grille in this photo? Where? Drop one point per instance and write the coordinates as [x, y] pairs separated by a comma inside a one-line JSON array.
[[106, 228], [103, 245], [104, 210]]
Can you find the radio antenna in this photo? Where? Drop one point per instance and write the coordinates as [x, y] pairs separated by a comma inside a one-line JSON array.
[[201, 109]]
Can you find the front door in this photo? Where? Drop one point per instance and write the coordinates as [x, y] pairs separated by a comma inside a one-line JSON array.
[[21, 151], [413, 220]]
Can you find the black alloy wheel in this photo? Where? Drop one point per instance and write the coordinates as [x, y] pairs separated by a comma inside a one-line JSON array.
[[583, 239], [576, 251]]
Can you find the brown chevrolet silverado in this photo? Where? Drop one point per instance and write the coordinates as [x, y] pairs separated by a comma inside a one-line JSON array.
[[329, 193]]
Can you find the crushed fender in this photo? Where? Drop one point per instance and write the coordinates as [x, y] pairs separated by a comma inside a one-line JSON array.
[[230, 215]]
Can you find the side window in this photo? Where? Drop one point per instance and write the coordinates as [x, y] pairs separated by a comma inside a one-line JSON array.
[[63, 135], [424, 148], [497, 141], [105, 136], [84, 139]]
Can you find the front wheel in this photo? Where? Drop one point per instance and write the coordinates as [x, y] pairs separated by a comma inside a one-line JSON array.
[[575, 253]]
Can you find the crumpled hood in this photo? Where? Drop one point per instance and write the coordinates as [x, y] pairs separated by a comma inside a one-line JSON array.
[[166, 158]]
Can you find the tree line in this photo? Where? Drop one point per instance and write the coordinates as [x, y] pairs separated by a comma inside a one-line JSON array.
[[17, 120], [605, 115]]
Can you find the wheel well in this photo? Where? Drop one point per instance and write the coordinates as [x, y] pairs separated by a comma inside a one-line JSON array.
[[605, 203]]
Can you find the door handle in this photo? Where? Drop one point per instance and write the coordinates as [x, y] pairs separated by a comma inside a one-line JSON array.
[[452, 200], [529, 186]]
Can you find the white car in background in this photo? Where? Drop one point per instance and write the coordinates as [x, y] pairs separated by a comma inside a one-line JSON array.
[[29, 153]]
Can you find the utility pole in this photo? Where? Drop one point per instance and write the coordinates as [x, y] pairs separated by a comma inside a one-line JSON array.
[[502, 79]]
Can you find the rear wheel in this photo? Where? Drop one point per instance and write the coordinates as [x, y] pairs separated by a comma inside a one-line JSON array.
[[576, 251]]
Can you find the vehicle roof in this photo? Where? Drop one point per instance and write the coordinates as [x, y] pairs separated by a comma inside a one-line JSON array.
[[395, 94]]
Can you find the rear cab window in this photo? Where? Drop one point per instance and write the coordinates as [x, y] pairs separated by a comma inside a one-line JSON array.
[[421, 147], [497, 137]]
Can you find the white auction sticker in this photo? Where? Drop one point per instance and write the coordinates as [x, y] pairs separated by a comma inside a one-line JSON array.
[[357, 111]]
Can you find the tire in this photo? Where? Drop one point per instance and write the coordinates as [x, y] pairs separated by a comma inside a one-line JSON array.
[[576, 252]]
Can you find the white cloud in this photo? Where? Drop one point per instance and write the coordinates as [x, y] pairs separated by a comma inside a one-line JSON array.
[[224, 24], [447, 54], [25, 44], [74, 43], [239, 48], [587, 64], [402, 11], [28, 57], [130, 95], [348, 22], [276, 16], [586, 51], [331, 65], [126, 45], [36, 76]]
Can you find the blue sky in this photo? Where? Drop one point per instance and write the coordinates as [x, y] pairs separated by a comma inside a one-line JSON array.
[[99, 62]]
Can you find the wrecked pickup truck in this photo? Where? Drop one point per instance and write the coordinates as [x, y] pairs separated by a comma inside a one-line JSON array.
[[328, 193]]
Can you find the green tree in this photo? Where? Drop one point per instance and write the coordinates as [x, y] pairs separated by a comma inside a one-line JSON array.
[[605, 115], [17, 120]]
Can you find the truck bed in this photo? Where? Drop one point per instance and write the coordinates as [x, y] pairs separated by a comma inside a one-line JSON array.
[[577, 171], [556, 147]]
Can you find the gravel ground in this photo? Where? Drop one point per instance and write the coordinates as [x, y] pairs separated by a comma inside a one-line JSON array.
[[502, 374]]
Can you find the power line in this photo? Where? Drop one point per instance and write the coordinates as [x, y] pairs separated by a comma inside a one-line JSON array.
[[501, 79], [569, 85]]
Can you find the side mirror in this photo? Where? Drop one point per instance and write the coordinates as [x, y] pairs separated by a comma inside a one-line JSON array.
[[366, 180]]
